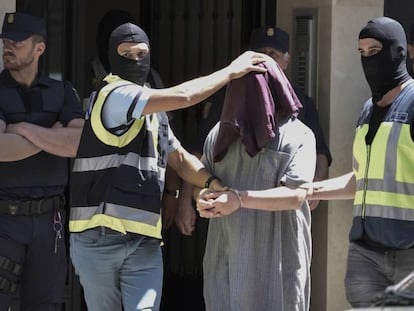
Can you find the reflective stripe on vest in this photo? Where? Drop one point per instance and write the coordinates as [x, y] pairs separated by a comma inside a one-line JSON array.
[[120, 218], [115, 160], [110, 212], [121, 225]]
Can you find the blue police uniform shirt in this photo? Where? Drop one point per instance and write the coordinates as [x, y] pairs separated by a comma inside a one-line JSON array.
[[44, 103]]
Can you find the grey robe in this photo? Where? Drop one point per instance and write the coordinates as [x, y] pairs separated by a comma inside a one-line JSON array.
[[260, 260]]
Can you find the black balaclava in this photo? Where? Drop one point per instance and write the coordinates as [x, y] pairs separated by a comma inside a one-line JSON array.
[[128, 69], [107, 24], [386, 69]]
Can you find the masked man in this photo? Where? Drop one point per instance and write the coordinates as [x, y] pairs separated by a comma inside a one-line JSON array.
[[381, 250], [118, 175]]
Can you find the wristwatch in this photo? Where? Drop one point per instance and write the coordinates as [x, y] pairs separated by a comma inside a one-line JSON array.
[[174, 193]]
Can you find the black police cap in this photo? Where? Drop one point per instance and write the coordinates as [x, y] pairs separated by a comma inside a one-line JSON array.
[[272, 37], [18, 26]]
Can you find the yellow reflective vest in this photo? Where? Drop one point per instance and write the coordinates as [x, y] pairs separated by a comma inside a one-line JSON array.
[[117, 180], [384, 171]]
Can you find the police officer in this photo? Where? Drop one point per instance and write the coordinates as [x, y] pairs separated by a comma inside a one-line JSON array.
[[119, 173], [40, 125], [381, 249]]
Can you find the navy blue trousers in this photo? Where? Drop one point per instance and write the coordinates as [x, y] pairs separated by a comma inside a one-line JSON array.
[[30, 242]]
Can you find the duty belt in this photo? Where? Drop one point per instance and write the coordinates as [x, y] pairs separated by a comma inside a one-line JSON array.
[[33, 207]]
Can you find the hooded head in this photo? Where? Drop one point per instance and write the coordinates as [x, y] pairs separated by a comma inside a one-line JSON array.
[[135, 70], [387, 68]]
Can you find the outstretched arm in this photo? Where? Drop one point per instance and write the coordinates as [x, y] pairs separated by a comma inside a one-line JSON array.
[[215, 204], [338, 188], [194, 91]]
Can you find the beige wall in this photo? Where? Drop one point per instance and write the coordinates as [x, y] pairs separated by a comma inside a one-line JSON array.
[[342, 90], [5, 6], [349, 90]]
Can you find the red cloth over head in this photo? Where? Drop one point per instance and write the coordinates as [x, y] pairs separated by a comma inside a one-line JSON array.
[[253, 105]]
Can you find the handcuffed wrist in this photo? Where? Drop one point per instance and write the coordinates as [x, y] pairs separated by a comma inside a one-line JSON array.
[[237, 193]]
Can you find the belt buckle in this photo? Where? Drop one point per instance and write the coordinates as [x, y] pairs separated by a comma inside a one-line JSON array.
[[13, 208]]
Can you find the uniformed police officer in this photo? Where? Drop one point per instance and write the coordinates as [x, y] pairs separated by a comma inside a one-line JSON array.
[[40, 125]]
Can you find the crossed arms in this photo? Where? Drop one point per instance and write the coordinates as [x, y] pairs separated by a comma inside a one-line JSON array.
[[23, 140]]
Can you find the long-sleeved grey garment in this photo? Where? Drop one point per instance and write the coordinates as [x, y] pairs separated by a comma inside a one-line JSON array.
[[260, 260]]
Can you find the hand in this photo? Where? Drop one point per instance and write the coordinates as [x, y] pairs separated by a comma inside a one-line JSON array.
[[57, 125], [169, 210], [212, 204], [185, 217], [321, 173], [313, 204], [247, 62], [322, 167], [16, 128]]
